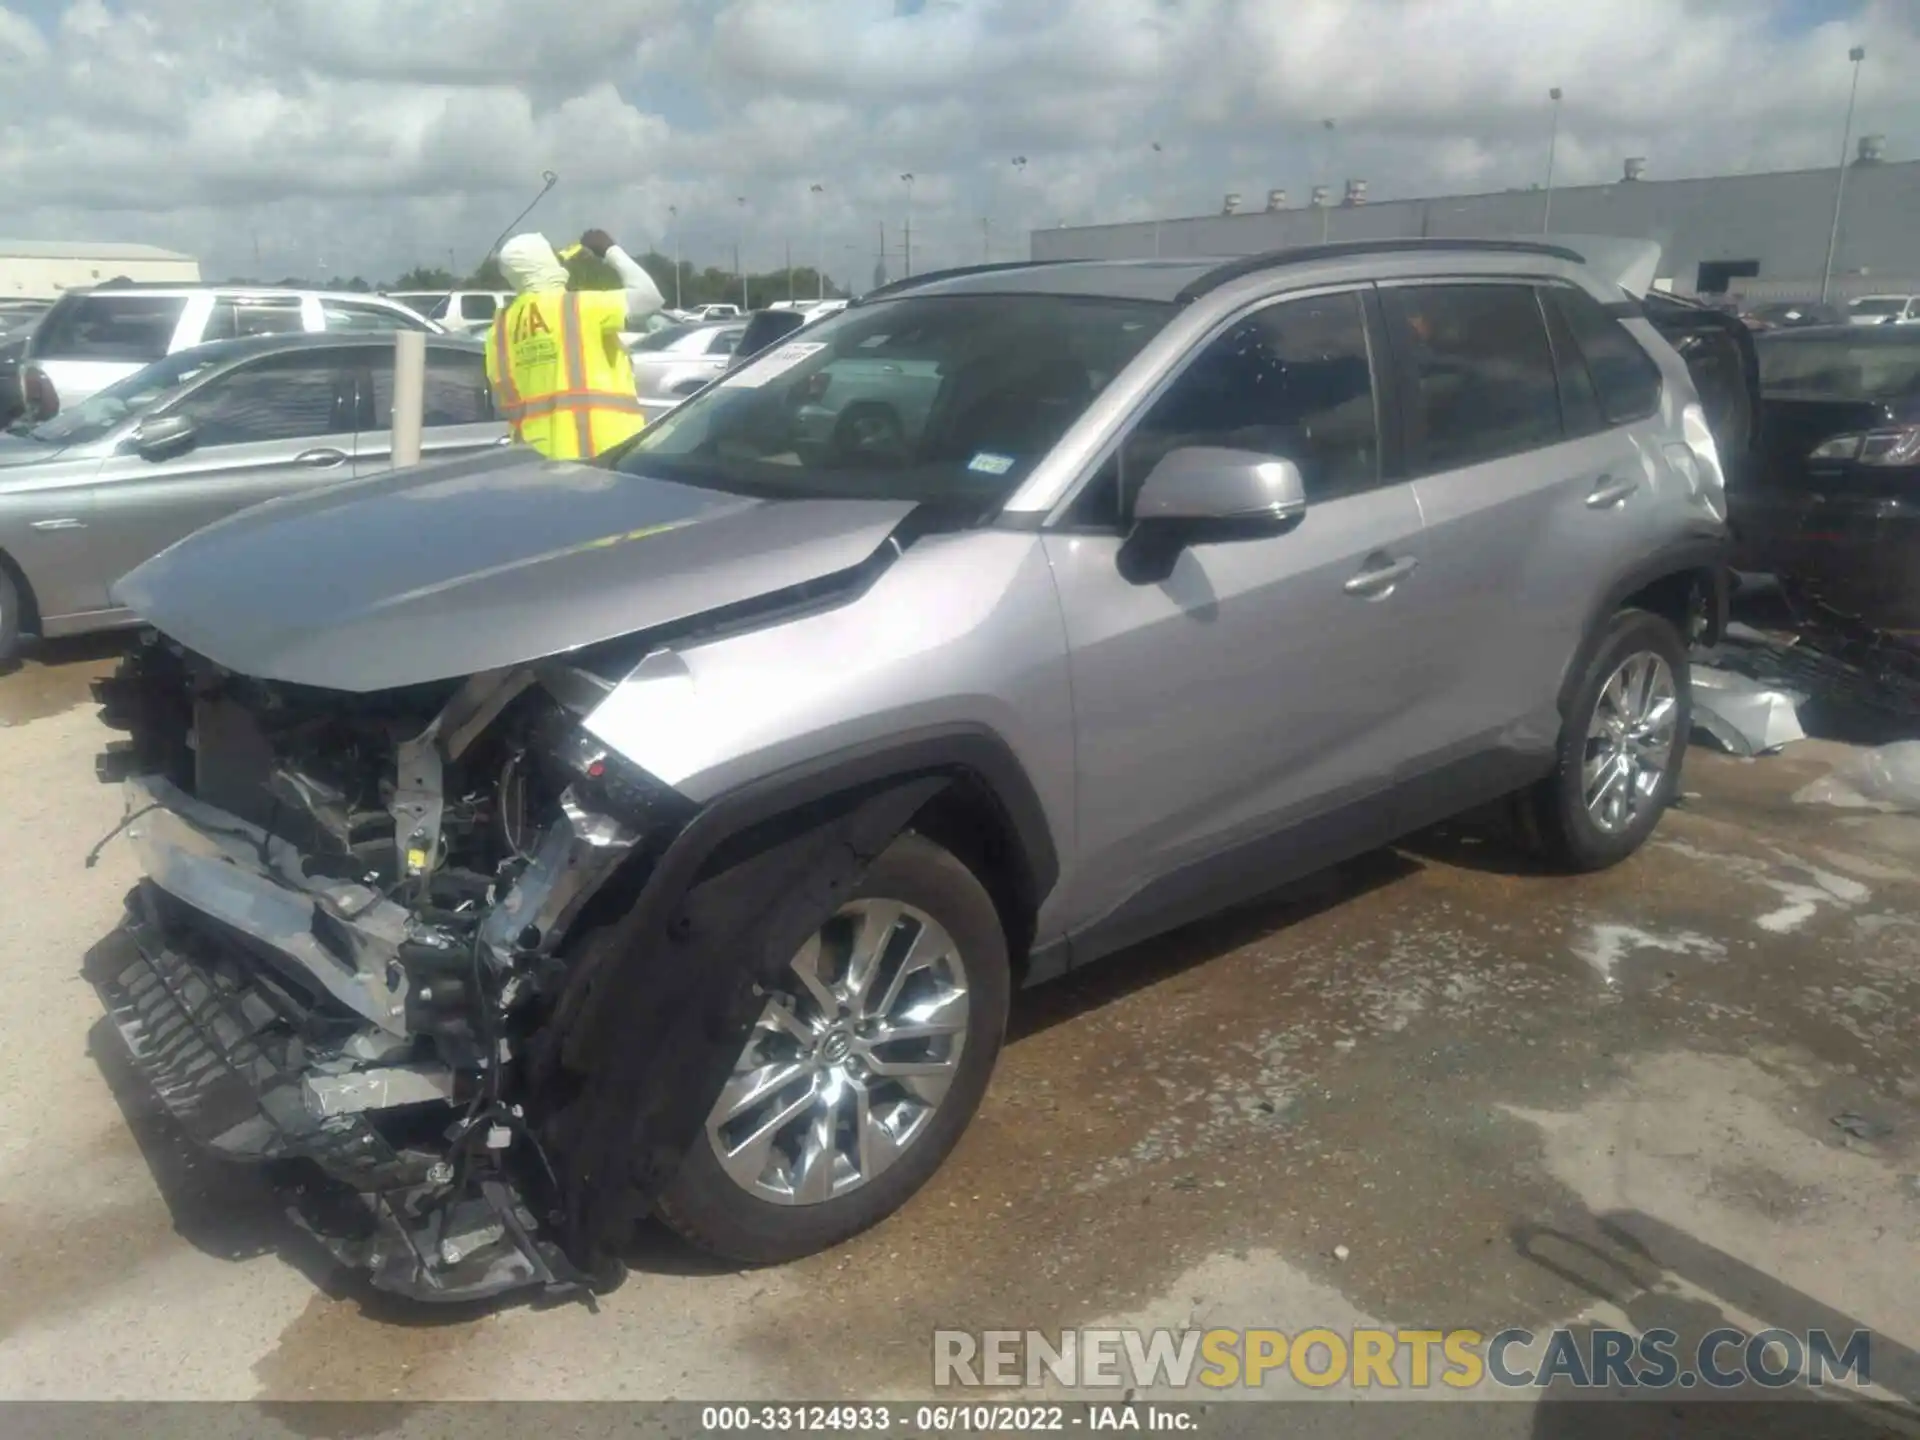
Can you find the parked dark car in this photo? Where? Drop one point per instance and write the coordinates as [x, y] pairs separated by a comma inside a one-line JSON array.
[[1833, 503]]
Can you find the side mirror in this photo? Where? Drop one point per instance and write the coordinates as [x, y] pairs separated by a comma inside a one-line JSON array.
[[1223, 492], [1205, 493], [163, 437]]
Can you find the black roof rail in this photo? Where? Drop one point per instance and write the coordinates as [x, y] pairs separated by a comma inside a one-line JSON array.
[[1338, 249], [895, 287]]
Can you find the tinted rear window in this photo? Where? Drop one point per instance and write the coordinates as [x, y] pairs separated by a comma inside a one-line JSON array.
[[1840, 368], [135, 328]]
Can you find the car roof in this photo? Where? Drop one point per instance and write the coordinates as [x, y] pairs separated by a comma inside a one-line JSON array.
[[1179, 280], [219, 351], [245, 291]]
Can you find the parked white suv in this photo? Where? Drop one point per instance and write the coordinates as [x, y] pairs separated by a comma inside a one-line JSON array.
[[1884, 310], [91, 338], [465, 312]]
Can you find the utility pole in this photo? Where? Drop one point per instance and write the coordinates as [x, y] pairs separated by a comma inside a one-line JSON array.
[[1856, 55], [906, 250], [986, 240], [819, 253], [1156, 201], [1326, 211], [673, 220], [789, 271], [1553, 141], [741, 201]]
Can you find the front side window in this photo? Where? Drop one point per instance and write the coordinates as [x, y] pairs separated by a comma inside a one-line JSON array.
[[372, 319], [281, 397], [237, 319], [456, 390], [1294, 380], [479, 307], [1481, 372], [941, 399], [1840, 367], [725, 341], [101, 326]]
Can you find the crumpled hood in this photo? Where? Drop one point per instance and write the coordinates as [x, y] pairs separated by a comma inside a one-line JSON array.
[[448, 570]]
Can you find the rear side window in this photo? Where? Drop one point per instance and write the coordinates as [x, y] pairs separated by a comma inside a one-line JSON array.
[[479, 307], [1481, 372], [137, 328], [456, 390], [1623, 373]]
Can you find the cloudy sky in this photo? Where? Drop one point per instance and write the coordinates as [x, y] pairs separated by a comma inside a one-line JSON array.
[[364, 136]]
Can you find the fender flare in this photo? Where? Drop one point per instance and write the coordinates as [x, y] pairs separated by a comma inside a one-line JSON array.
[[1696, 554]]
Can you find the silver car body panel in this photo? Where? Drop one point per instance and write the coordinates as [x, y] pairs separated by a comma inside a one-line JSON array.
[[479, 565]]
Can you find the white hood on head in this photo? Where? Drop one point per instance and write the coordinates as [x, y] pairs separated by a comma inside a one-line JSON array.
[[529, 264]]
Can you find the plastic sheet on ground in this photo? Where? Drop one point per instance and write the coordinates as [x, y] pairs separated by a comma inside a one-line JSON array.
[[1744, 715], [1887, 778]]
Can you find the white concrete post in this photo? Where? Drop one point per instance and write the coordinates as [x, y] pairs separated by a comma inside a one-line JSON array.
[[409, 395]]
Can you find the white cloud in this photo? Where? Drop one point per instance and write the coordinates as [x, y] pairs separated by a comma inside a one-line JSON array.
[[370, 135]]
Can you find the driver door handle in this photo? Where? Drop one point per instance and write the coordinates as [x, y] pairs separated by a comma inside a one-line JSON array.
[[1609, 491], [1377, 580], [322, 459]]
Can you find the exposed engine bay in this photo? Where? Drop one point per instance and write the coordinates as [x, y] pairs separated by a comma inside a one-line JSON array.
[[350, 942]]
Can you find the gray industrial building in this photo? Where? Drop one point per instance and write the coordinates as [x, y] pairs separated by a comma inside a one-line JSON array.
[[1763, 235]]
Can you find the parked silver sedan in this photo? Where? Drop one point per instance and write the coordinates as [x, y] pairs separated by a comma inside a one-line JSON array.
[[669, 365], [105, 485]]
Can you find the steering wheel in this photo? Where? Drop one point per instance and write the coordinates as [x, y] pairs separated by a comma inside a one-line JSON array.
[[869, 432]]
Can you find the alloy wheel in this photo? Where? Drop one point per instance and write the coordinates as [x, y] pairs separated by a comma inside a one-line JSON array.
[[850, 1059], [1630, 741]]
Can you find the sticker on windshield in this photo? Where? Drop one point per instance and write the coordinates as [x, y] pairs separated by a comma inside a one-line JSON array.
[[773, 364], [988, 463]]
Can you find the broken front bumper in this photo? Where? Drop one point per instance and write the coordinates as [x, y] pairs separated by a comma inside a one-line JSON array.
[[266, 1009]]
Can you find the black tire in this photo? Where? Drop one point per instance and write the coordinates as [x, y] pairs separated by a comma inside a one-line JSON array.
[[1569, 836], [709, 1209], [9, 616]]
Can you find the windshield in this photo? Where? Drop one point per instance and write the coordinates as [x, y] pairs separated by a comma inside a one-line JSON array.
[[1879, 305], [940, 399], [97, 415], [1841, 369]]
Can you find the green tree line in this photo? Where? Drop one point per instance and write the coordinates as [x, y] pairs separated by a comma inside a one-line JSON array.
[[711, 285]]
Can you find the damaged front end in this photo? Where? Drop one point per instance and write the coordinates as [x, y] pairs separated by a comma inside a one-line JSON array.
[[350, 935]]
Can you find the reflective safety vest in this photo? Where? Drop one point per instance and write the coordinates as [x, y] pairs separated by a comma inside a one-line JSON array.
[[560, 376]]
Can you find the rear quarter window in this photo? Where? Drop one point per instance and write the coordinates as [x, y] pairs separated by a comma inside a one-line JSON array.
[[1625, 375], [127, 328]]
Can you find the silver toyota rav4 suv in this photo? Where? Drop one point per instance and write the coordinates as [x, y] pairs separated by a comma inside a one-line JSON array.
[[532, 846]]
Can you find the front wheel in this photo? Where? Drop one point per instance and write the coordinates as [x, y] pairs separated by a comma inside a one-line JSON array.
[[1621, 746], [864, 1067]]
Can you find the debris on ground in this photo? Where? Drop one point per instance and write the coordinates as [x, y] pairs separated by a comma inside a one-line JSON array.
[[1862, 1127], [1745, 716], [1340, 1252], [1887, 778]]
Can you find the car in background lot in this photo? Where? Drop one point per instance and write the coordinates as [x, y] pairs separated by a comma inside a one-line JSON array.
[[1788, 314], [460, 312], [91, 338], [19, 316], [715, 311], [1831, 503], [1884, 310], [740, 785], [671, 364], [90, 493]]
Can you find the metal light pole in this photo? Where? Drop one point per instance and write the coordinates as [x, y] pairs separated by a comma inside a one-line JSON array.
[[819, 253], [739, 267], [906, 249], [1326, 211], [1158, 156], [1856, 55], [673, 221], [986, 240], [1553, 140]]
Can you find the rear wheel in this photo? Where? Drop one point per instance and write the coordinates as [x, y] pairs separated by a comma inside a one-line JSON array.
[[1621, 746], [865, 1066]]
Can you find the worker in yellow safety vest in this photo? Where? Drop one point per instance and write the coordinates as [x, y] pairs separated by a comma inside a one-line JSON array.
[[560, 376]]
